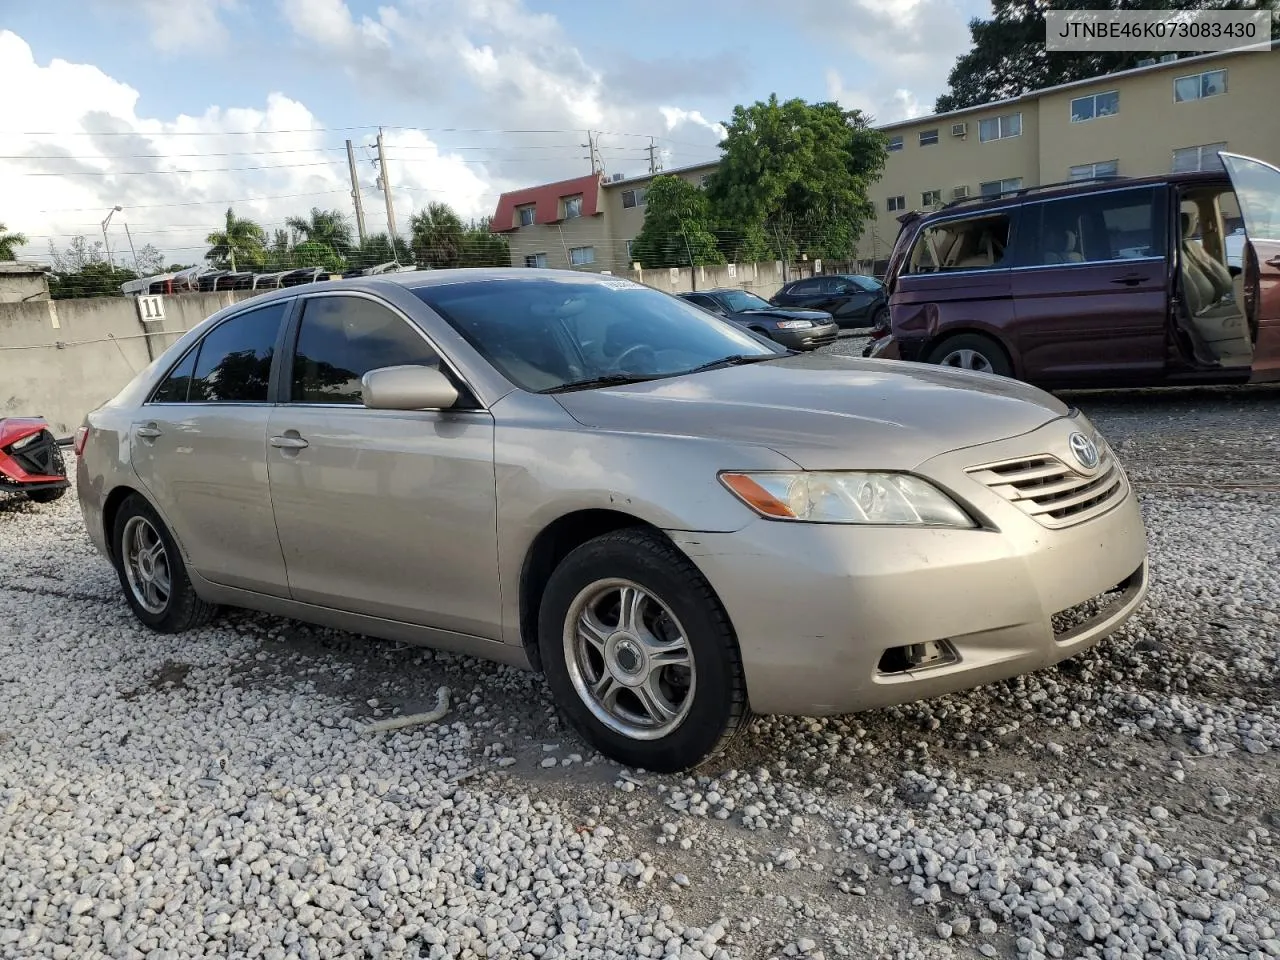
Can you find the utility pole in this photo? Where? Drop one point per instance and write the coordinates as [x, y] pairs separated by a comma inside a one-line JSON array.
[[385, 183], [355, 191], [593, 153], [654, 163]]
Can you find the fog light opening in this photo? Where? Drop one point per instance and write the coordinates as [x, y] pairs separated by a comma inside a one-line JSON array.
[[918, 656]]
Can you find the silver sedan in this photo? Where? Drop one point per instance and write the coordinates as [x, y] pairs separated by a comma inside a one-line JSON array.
[[677, 523]]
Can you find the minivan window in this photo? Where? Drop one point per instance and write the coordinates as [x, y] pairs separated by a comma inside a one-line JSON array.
[[1094, 228], [340, 339], [977, 243], [232, 364]]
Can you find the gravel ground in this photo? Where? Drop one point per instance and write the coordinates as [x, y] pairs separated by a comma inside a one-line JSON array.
[[216, 795]]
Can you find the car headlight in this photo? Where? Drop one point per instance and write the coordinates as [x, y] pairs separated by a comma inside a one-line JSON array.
[[847, 497], [795, 324]]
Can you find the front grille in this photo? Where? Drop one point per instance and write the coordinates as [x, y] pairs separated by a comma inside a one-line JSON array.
[[1053, 493], [41, 456]]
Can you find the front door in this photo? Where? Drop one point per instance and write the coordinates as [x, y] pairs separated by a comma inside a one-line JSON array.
[[199, 448], [385, 513], [1257, 186], [1090, 288]]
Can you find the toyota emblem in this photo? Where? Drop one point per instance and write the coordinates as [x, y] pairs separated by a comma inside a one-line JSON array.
[[1084, 450]]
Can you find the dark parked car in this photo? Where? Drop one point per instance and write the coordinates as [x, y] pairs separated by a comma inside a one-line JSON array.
[[1119, 281], [794, 328], [852, 299]]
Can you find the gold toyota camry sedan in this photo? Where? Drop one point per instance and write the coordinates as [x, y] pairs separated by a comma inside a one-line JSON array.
[[676, 521]]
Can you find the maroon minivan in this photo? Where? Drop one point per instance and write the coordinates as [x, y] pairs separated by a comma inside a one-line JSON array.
[[1117, 281]]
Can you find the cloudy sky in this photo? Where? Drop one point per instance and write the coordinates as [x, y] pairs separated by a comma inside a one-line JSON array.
[[175, 109]]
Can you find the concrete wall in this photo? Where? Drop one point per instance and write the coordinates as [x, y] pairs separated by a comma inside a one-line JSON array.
[[20, 283], [60, 359]]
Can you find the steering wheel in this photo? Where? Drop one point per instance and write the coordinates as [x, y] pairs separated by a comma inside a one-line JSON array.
[[620, 362]]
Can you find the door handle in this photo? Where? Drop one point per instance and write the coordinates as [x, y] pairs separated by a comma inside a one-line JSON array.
[[289, 443], [1132, 280], [149, 432]]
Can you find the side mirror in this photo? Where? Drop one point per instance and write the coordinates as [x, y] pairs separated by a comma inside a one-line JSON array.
[[409, 387]]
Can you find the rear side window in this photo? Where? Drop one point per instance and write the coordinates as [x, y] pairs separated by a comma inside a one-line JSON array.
[[1095, 228], [340, 339], [978, 243], [805, 288], [232, 364]]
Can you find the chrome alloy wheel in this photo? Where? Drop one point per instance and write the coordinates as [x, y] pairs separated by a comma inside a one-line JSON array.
[[967, 360], [629, 659], [146, 565]]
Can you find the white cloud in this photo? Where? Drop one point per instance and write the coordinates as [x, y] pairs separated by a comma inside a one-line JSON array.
[[884, 105], [186, 25], [674, 117], [75, 146]]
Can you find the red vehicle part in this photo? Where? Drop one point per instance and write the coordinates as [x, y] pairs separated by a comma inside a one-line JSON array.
[[31, 461]]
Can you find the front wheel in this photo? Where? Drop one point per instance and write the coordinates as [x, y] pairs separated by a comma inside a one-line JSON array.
[[47, 495], [639, 654], [972, 351], [152, 573]]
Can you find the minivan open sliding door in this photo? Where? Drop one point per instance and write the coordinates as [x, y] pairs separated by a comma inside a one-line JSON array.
[[1257, 186]]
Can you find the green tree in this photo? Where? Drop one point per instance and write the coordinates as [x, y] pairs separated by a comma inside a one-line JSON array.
[[677, 226], [150, 260], [240, 244], [1008, 57], [379, 248], [327, 227], [481, 247], [98, 279], [313, 253], [437, 236], [801, 172], [9, 243]]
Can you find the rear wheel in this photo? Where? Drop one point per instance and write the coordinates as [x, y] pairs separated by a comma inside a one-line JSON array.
[[639, 654], [47, 495], [152, 573], [972, 351]]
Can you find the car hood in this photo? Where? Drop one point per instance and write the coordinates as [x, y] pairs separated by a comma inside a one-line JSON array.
[[826, 412], [788, 313]]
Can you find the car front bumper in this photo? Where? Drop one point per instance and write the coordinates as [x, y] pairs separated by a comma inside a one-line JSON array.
[[808, 339], [817, 606]]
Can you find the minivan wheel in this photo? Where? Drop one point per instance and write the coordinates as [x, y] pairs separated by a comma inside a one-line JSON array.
[[639, 653], [151, 571], [972, 351]]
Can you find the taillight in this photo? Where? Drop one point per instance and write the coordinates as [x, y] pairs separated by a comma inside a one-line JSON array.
[[82, 435]]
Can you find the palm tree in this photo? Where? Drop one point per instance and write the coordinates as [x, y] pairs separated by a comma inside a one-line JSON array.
[[240, 238], [9, 243], [437, 236], [328, 227]]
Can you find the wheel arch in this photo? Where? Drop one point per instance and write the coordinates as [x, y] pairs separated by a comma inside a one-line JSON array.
[[975, 331]]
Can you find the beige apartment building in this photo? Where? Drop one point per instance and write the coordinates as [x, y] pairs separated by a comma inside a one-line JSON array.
[[1167, 115]]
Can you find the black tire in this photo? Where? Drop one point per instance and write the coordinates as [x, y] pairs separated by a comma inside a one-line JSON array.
[[719, 709], [47, 495], [183, 609], [988, 348], [880, 318]]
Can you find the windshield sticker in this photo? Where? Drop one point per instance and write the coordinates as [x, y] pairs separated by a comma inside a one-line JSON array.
[[622, 285]]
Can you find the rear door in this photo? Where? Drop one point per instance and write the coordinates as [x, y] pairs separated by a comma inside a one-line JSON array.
[[199, 447], [1090, 290], [846, 300], [1257, 186]]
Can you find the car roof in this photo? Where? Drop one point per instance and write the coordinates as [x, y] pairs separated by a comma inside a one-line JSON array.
[[1050, 191]]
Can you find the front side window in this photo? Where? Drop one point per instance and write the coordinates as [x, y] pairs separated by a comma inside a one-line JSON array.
[[1000, 128], [544, 334], [232, 364], [342, 338], [1095, 105], [1093, 228], [972, 244]]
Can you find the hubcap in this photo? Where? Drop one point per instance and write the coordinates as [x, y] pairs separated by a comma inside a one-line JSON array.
[[629, 659], [967, 360], [146, 565]]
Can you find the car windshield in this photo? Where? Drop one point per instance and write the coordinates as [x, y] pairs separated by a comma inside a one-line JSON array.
[[545, 333], [739, 300]]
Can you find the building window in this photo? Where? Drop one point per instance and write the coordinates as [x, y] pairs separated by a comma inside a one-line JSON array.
[[526, 214], [578, 256], [572, 207], [928, 137], [536, 260], [704, 180], [1091, 171], [1203, 157], [895, 143], [1000, 128], [931, 198], [1095, 105], [1200, 85], [630, 256], [896, 203], [998, 188], [633, 198]]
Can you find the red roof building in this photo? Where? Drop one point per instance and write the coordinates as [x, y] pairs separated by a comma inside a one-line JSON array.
[[548, 203]]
